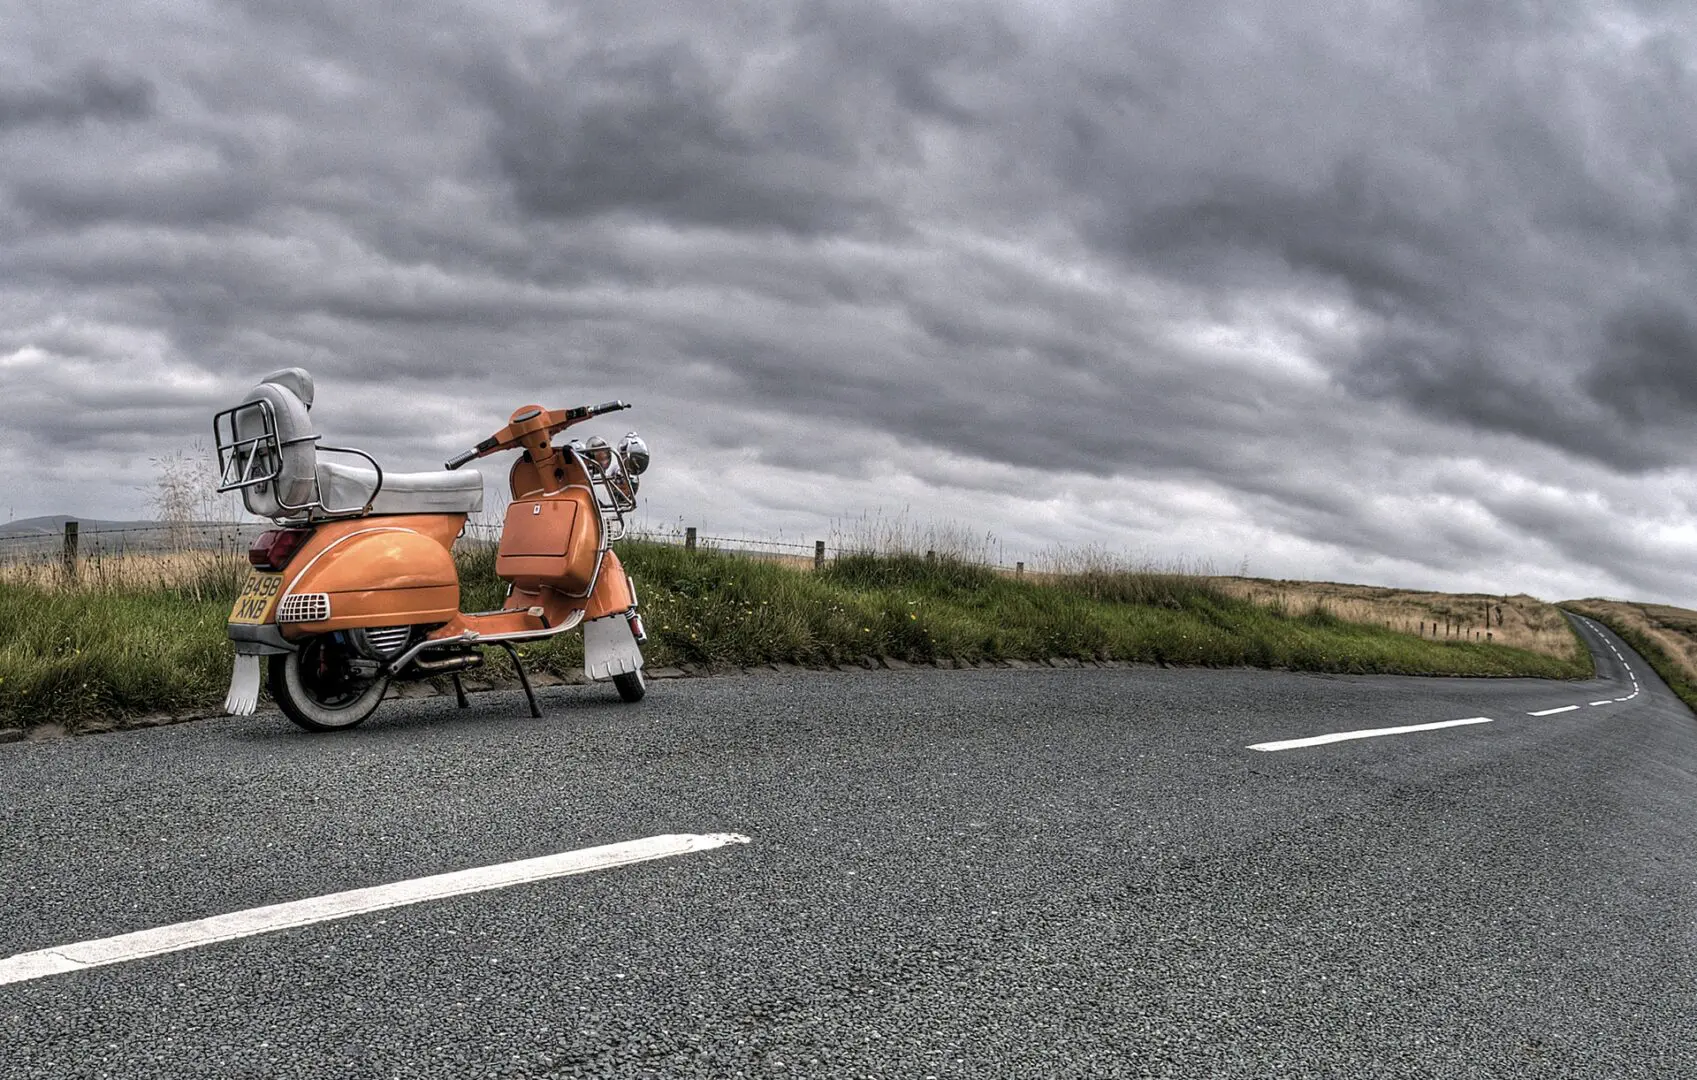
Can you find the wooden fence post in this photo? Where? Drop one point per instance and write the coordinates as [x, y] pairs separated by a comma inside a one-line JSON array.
[[1019, 570], [70, 549], [818, 554], [689, 538]]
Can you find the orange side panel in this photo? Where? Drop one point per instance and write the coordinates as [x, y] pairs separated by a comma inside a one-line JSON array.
[[382, 607], [391, 570], [383, 557], [442, 528]]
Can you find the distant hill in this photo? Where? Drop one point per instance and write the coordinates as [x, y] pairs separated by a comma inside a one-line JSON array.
[[54, 525]]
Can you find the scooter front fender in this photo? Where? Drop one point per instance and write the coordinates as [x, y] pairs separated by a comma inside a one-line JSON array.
[[613, 594]]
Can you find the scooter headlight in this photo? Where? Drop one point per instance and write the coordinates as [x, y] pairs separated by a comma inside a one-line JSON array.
[[635, 453]]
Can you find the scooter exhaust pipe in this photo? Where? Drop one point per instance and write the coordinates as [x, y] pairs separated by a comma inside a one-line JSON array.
[[448, 664]]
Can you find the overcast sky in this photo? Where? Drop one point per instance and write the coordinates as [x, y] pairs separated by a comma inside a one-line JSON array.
[[1395, 293]]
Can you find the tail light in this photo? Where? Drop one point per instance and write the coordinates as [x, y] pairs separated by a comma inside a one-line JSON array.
[[275, 547]]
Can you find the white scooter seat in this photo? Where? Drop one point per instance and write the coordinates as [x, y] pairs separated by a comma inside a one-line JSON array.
[[348, 487]]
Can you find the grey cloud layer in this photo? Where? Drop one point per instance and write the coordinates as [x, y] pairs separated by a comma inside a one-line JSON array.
[[89, 93], [1283, 255]]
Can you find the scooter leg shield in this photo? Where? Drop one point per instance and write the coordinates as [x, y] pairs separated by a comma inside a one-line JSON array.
[[609, 648]]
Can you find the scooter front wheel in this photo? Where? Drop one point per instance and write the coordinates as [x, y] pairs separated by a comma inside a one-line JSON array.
[[317, 687], [630, 685]]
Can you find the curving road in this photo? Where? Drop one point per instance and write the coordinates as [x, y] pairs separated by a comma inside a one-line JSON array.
[[973, 873]]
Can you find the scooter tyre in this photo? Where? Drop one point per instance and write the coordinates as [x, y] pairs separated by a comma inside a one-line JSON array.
[[299, 705], [630, 685]]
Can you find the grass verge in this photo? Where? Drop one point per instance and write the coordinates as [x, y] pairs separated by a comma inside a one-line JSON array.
[[68, 655], [1664, 636]]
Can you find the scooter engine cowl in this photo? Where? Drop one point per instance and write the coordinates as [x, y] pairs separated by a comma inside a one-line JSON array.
[[379, 642]]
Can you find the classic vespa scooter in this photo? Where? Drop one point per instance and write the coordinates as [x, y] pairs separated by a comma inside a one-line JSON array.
[[357, 587]]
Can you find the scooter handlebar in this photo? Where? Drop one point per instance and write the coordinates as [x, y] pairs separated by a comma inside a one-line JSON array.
[[582, 412], [475, 452]]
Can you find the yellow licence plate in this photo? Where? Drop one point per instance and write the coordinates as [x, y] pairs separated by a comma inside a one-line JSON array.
[[258, 597]]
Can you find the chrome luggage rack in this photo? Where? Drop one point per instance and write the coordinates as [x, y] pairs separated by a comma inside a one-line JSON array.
[[614, 494], [255, 461]]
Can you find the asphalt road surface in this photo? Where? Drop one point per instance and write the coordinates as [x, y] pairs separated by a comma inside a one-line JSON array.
[[947, 873]]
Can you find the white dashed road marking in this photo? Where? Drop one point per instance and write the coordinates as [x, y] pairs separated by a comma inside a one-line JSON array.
[[1636, 689], [260, 920], [1342, 736]]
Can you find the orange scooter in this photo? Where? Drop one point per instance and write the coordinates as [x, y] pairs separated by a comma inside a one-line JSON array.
[[357, 588]]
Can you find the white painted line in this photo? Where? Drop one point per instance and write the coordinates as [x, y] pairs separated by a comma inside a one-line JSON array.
[[1605, 701], [1342, 736], [1626, 698], [261, 920], [1552, 712]]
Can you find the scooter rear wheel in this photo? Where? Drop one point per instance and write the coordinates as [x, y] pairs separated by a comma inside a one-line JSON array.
[[316, 688], [630, 685]]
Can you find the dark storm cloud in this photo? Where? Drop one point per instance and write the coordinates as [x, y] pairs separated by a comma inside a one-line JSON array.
[[1300, 268], [220, 190], [1647, 370], [651, 136], [1469, 183], [1473, 216], [87, 94], [789, 127]]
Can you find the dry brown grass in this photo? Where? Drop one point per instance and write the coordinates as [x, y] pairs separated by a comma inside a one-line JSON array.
[[1672, 629], [1519, 621], [194, 573]]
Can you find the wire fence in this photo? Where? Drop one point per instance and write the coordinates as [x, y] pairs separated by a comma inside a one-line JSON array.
[[77, 543]]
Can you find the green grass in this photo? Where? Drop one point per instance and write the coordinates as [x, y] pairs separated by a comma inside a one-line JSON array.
[[69, 656], [710, 609]]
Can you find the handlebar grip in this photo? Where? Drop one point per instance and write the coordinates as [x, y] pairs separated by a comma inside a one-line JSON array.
[[608, 406], [456, 462]]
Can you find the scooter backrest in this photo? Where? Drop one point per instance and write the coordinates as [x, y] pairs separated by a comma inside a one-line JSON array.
[[289, 393]]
